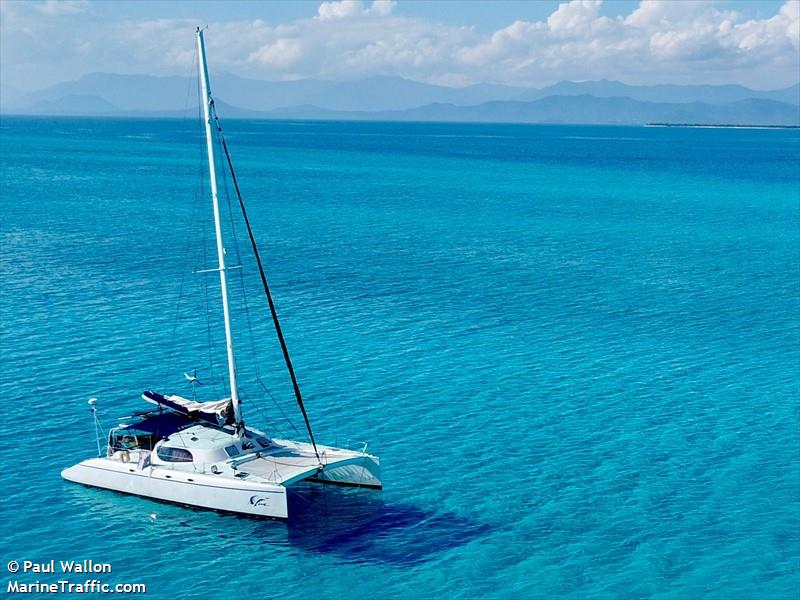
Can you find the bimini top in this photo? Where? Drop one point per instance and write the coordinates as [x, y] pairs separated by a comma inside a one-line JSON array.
[[160, 424], [217, 412]]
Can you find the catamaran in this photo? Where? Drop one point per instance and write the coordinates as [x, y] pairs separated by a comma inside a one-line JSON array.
[[201, 453]]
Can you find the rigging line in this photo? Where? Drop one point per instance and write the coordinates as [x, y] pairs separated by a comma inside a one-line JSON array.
[[260, 381], [210, 346], [176, 319], [268, 426], [192, 75], [244, 397], [254, 357], [225, 187], [278, 406], [255, 360], [192, 220], [243, 288], [268, 294]]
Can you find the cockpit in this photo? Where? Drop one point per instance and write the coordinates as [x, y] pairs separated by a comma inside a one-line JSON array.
[[181, 441], [145, 433]]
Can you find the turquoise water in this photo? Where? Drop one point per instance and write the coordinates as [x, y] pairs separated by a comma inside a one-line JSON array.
[[576, 350]]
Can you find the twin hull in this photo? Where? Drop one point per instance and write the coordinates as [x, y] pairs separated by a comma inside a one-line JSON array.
[[204, 490]]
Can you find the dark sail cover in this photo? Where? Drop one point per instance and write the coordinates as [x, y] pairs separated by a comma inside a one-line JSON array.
[[217, 412]]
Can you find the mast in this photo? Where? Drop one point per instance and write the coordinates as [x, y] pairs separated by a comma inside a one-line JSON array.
[[223, 279]]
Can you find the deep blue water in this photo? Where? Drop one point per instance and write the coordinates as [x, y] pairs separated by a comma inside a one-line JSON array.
[[576, 350]]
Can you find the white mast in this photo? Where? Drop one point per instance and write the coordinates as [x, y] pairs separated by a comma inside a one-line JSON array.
[[223, 283]]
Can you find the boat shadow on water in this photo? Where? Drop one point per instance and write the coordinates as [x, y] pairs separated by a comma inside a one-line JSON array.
[[355, 525], [359, 526]]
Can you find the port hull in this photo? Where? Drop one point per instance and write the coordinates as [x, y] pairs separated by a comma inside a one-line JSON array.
[[180, 487]]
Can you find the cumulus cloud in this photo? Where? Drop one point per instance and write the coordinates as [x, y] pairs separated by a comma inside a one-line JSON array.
[[659, 41], [668, 39], [343, 9], [283, 52], [576, 17]]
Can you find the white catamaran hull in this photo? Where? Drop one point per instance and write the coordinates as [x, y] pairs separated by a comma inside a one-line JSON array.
[[251, 495], [193, 489]]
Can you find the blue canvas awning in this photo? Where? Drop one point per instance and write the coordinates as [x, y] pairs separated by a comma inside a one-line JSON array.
[[161, 424]]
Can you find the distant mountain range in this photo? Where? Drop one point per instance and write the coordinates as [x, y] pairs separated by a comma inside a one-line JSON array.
[[394, 98]]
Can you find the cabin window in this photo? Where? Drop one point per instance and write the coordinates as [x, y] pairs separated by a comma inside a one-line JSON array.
[[232, 450], [263, 441], [168, 454]]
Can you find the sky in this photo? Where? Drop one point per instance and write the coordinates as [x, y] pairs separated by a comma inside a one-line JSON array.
[[449, 42]]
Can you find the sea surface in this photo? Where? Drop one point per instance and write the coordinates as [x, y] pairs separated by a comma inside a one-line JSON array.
[[575, 349]]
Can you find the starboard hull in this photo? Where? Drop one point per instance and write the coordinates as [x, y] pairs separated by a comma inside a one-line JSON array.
[[365, 473]]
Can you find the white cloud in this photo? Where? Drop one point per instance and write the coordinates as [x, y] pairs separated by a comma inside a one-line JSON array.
[[658, 14], [283, 52], [771, 34], [382, 7], [696, 43], [667, 38], [56, 8], [575, 17], [343, 9], [659, 41]]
